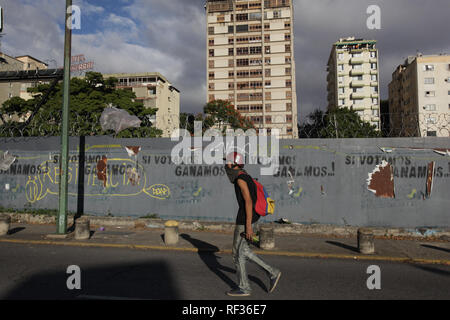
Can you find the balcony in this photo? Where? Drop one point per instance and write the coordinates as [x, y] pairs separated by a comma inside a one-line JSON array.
[[357, 60], [356, 72], [357, 96], [357, 84]]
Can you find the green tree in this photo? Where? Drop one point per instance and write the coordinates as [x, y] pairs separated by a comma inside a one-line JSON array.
[[337, 123], [89, 96], [222, 114]]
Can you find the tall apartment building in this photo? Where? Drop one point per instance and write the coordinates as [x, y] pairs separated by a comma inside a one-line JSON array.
[[353, 78], [419, 97], [155, 91], [250, 53]]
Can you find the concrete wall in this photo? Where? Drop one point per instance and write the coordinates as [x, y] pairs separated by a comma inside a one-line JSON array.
[[327, 183]]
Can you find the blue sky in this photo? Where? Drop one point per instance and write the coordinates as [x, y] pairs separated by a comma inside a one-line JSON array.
[[169, 36]]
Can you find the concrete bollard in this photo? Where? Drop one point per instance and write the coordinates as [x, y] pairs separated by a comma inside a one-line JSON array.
[[266, 238], [5, 222], [82, 229], [366, 241], [171, 232]]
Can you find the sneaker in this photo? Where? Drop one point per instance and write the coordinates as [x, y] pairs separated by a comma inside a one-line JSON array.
[[238, 293], [274, 282]]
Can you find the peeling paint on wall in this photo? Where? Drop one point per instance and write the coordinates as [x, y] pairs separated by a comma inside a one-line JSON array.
[[381, 181], [430, 178], [133, 151], [101, 170], [6, 161]]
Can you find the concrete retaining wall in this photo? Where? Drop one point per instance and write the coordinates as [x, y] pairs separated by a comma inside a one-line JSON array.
[[318, 182]]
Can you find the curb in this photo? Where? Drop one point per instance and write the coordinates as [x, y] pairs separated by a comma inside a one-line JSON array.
[[419, 233], [259, 252]]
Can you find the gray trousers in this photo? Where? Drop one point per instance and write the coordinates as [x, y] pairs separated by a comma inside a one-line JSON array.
[[241, 253]]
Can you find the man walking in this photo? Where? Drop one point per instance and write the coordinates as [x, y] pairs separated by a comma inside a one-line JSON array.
[[246, 220]]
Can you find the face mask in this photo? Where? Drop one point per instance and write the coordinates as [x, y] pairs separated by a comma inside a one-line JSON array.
[[231, 174]]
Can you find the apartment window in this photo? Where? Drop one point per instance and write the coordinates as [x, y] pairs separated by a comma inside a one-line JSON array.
[[356, 55], [242, 28], [288, 71], [340, 56], [341, 90], [374, 77], [429, 80], [267, 49], [341, 79], [288, 94], [267, 60], [267, 37], [357, 67], [360, 113], [375, 113], [242, 17], [374, 89], [241, 51], [287, 25], [268, 119], [431, 120], [255, 62], [288, 48], [211, 42], [242, 62], [357, 78], [431, 93], [231, 74], [268, 96], [288, 83], [230, 29], [431, 134], [358, 90], [375, 101], [231, 85], [231, 52], [255, 16], [211, 75], [373, 66], [287, 37], [341, 102], [211, 52], [287, 60], [211, 63], [430, 107], [267, 72], [255, 50], [268, 84], [211, 30], [268, 107], [428, 67], [231, 40]]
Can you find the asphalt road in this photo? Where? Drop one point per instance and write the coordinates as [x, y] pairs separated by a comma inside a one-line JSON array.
[[40, 272]]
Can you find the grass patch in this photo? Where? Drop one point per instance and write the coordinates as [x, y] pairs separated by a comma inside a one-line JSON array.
[[151, 216]]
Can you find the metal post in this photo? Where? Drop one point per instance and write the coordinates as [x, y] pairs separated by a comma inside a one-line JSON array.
[[62, 218]]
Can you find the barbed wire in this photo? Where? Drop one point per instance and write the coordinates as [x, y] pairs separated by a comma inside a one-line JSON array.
[[391, 125]]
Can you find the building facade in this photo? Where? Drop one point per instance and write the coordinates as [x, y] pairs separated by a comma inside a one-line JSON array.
[[419, 97], [155, 91], [353, 78], [250, 61], [12, 89]]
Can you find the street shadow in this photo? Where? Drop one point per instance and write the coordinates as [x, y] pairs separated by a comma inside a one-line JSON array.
[[433, 270], [435, 248], [80, 191], [15, 230], [342, 245], [207, 253], [144, 281]]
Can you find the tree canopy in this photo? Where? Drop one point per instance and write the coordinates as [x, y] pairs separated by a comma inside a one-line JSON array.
[[337, 123], [220, 114], [89, 96]]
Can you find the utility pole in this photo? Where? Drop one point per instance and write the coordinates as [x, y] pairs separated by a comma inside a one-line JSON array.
[[62, 218]]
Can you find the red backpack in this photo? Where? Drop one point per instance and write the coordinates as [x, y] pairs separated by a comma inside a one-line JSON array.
[[264, 204]]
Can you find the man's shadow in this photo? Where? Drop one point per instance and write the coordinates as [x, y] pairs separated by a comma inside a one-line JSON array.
[[207, 253]]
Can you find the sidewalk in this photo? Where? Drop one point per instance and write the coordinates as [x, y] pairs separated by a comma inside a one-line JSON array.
[[295, 245]]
